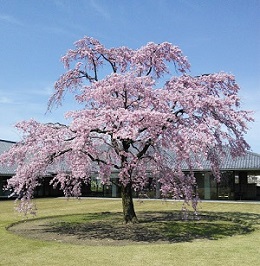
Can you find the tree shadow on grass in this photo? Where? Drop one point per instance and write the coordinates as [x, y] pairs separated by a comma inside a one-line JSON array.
[[153, 227]]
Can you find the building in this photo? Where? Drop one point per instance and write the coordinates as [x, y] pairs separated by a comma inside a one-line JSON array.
[[5, 171], [240, 180]]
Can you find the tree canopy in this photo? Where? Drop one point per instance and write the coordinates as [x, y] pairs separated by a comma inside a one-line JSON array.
[[141, 114]]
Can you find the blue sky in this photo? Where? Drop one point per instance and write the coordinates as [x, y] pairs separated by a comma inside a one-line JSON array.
[[215, 35]]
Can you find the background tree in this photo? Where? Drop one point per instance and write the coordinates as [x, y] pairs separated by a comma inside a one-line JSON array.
[[135, 118]]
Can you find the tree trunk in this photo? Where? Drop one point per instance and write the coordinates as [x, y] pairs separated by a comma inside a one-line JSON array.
[[128, 205]]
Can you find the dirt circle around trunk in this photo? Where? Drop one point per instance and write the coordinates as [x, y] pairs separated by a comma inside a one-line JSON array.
[[107, 228]]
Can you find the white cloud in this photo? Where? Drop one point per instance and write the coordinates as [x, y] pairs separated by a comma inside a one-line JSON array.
[[10, 20], [57, 30], [45, 91], [100, 9], [21, 104], [5, 100]]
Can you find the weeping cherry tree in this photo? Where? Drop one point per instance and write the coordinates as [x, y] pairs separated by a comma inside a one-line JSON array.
[[136, 119]]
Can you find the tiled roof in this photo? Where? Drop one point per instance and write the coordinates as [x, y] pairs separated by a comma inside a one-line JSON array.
[[4, 146], [250, 161]]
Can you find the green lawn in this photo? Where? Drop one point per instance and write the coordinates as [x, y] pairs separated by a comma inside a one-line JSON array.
[[236, 250]]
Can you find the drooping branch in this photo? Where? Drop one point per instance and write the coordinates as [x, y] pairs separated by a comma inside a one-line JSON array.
[[113, 65], [125, 99], [145, 148], [87, 76], [97, 130], [51, 157], [98, 160], [178, 113], [95, 70]]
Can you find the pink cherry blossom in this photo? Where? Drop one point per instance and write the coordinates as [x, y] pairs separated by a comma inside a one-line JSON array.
[[130, 125]]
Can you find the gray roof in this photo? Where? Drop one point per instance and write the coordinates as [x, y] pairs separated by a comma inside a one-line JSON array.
[[249, 161], [4, 146]]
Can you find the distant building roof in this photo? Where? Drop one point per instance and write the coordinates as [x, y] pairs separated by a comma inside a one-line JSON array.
[[249, 161], [4, 146]]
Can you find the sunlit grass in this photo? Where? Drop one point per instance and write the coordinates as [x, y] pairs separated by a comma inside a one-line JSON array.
[[240, 249]]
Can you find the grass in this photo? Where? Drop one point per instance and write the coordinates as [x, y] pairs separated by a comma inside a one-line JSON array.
[[154, 227], [222, 221]]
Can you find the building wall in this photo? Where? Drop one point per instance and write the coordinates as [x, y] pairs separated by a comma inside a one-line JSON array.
[[3, 183], [234, 185], [210, 189], [244, 189]]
